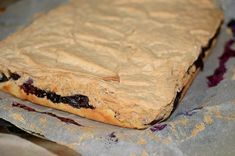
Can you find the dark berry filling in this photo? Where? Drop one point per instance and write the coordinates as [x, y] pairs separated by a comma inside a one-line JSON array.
[[63, 119], [3, 77], [175, 104], [155, 121], [77, 101], [231, 25], [14, 76], [199, 62]]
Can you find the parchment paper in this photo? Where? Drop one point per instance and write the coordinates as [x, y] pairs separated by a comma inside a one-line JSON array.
[[202, 124]]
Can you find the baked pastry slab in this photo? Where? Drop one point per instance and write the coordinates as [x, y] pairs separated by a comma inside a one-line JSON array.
[[119, 62]]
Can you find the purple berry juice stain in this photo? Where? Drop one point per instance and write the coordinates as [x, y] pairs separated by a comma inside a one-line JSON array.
[[218, 75], [63, 119], [158, 127], [112, 137], [190, 112]]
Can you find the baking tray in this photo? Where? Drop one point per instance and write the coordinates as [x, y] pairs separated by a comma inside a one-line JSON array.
[[202, 124]]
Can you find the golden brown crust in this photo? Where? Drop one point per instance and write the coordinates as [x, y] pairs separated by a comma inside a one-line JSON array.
[[129, 70]]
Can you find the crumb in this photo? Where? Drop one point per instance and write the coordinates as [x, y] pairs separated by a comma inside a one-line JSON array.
[[18, 117], [197, 129], [208, 120], [141, 141], [233, 76]]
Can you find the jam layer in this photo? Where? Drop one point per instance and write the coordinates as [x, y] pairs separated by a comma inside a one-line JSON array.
[[76, 101]]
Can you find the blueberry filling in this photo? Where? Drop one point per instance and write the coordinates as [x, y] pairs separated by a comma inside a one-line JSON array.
[[14, 76], [63, 119], [77, 101], [199, 62], [3, 77], [231, 25]]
